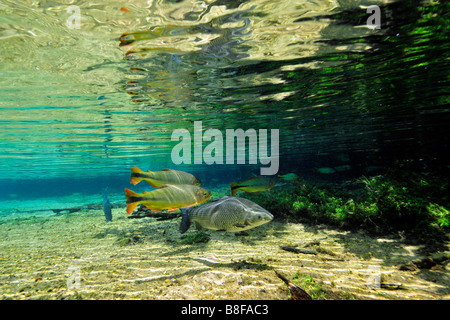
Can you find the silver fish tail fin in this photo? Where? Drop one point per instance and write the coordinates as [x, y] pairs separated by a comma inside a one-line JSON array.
[[185, 221]]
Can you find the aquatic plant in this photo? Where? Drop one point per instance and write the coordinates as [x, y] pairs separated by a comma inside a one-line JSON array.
[[310, 285], [399, 201], [410, 202], [128, 239], [198, 237]]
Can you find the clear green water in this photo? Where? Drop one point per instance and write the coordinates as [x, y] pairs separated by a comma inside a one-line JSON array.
[[78, 110], [82, 101]]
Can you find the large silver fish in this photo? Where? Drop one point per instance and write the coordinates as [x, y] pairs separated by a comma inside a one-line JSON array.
[[229, 214]]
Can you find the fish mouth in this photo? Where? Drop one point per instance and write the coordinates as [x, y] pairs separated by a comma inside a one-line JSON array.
[[262, 218], [267, 215], [196, 182]]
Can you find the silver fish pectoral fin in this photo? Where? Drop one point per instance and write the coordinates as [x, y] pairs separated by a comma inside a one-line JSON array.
[[219, 199], [243, 224]]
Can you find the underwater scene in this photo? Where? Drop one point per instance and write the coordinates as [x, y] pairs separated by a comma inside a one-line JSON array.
[[224, 150]]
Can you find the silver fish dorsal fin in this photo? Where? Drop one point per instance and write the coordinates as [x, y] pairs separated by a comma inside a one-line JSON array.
[[165, 169], [218, 199], [164, 186]]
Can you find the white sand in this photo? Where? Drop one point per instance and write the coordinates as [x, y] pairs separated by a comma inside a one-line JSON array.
[[78, 255]]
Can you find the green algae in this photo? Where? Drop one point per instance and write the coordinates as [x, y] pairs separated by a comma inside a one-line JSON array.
[[400, 201], [198, 237]]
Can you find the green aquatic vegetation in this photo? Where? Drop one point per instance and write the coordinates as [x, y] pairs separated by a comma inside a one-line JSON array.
[[318, 290], [306, 202], [128, 239], [30, 220], [123, 241], [407, 201], [399, 201], [315, 289], [441, 214], [198, 237]]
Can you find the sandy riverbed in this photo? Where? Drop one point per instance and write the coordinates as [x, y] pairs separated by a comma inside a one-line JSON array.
[[80, 256]]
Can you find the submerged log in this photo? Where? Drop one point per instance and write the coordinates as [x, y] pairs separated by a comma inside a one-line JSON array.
[[333, 259], [391, 286], [298, 250], [67, 210], [297, 293], [143, 212]]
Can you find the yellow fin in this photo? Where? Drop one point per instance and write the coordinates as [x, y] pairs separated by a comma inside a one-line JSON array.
[[135, 180], [131, 207], [149, 207], [132, 200]]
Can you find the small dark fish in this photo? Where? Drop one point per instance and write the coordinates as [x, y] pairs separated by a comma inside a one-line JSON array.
[[253, 184], [325, 170], [107, 206], [289, 177], [298, 250]]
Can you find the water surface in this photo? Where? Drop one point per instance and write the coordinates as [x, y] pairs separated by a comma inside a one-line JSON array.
[[81, 106]]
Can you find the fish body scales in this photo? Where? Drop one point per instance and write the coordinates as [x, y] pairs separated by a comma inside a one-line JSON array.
[[173, 194], [219, 219], [166, 176], [229, 214]]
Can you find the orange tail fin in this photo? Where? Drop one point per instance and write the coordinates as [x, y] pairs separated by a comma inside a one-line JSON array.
[[133, 199], [125, 9], [234, 188], [135, 172]]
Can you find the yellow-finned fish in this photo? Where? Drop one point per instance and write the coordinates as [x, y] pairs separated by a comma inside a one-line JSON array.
[[253, 184], [159, 178], [170, 197]]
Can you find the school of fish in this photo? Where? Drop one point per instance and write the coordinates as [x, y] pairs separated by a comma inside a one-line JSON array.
[[176, 189], [181, 190]]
